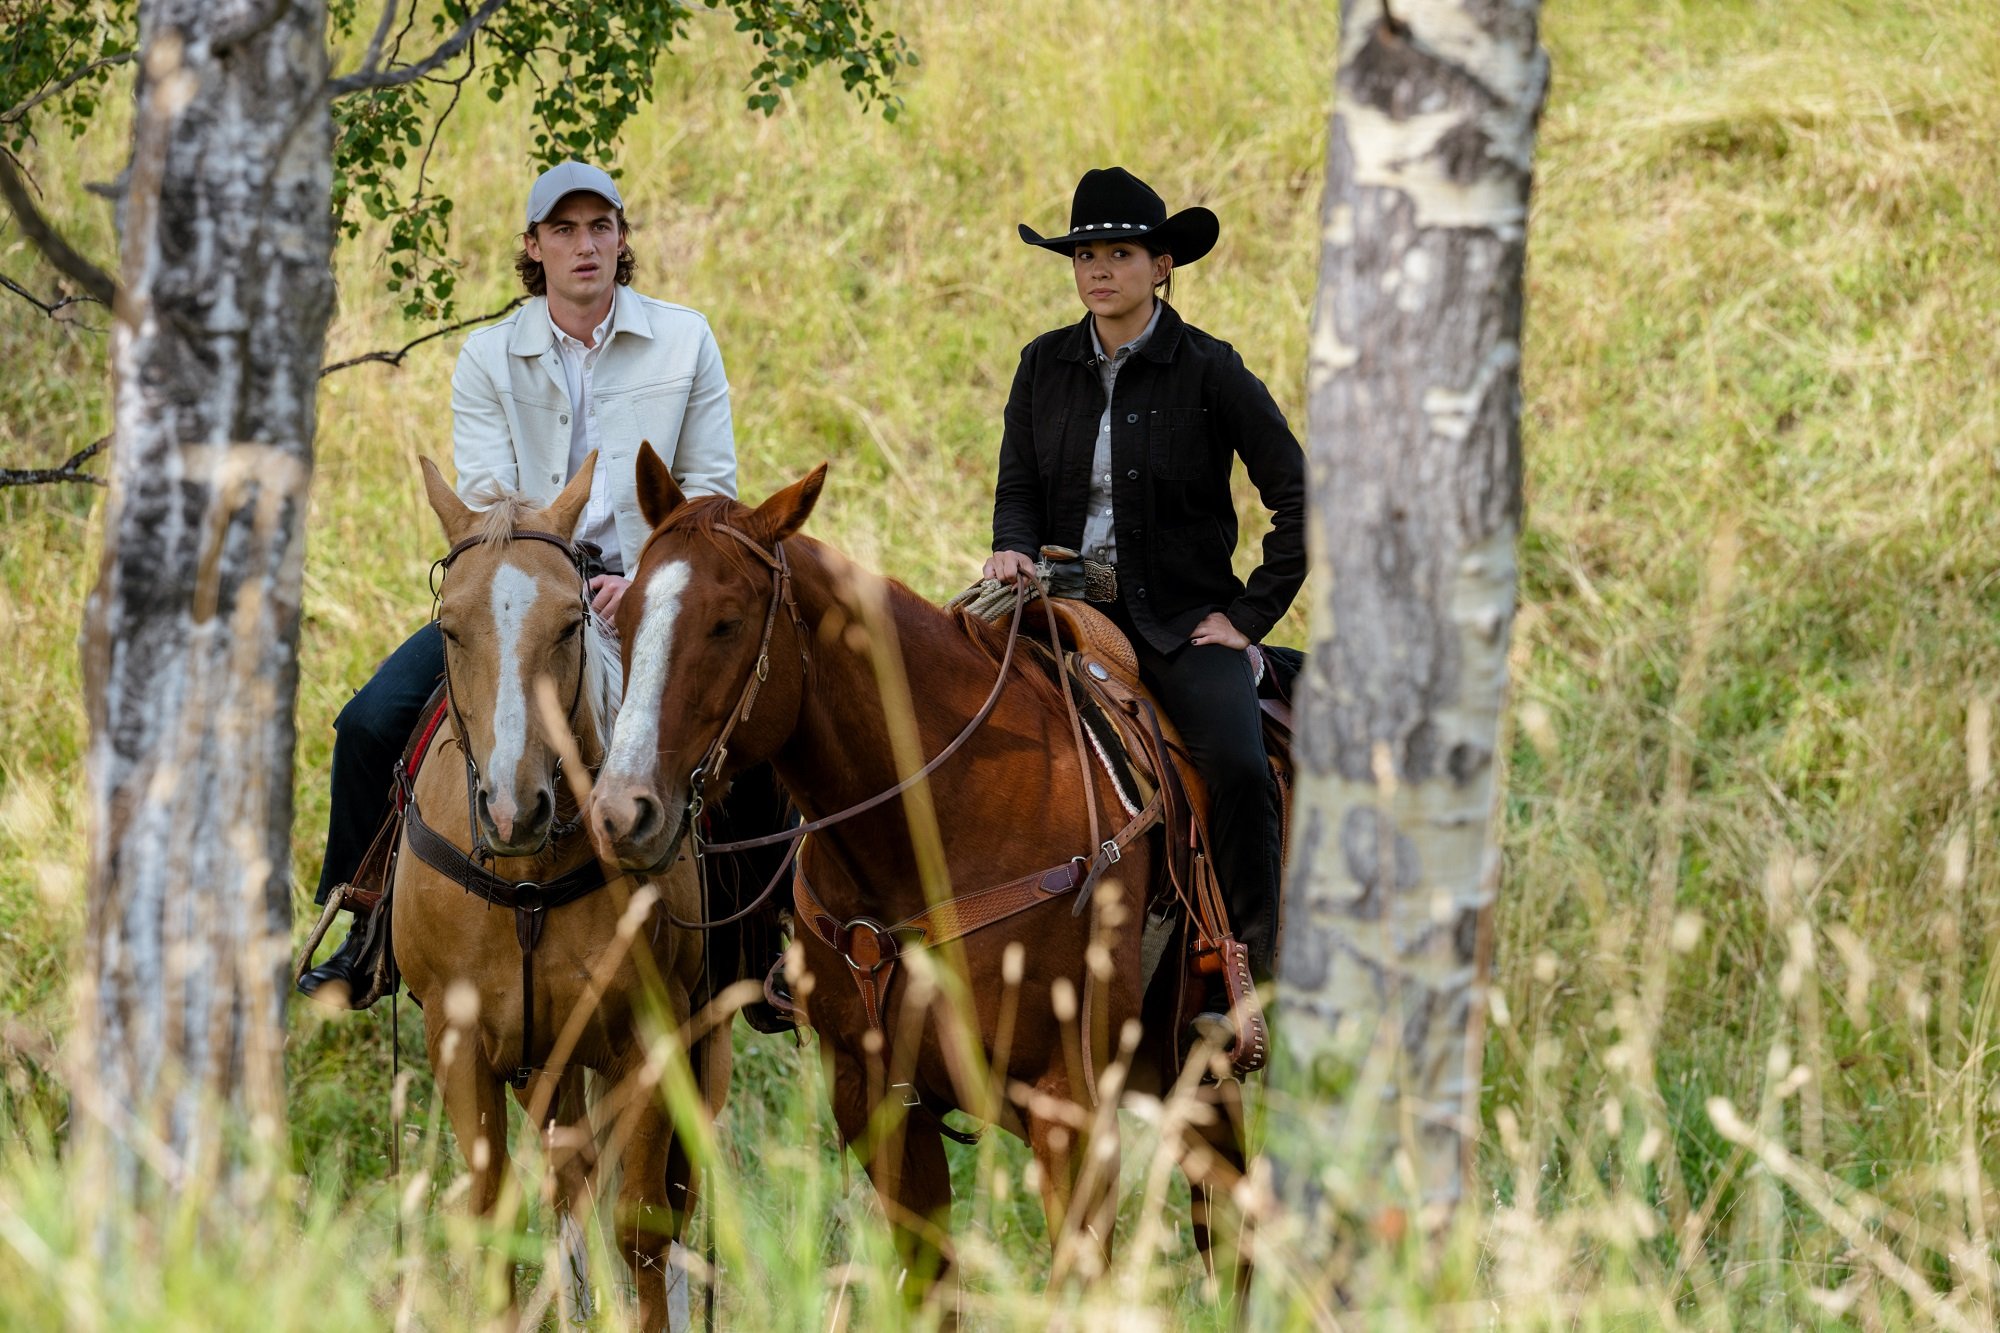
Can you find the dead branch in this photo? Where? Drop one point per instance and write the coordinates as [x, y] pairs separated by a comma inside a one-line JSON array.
[[364, 79], [395, 358], [48, 308], [96, 283], [44, 476]]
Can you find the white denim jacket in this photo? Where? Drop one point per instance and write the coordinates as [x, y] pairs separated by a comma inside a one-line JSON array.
[[659, 377]]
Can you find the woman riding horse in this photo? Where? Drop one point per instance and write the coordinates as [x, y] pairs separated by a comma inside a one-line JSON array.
[[1120, 434]]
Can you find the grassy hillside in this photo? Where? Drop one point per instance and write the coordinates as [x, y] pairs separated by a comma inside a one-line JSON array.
[[1750, 814]]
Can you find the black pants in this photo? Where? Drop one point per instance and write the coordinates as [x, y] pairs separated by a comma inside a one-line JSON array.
[[1209, 693], [368, 739]]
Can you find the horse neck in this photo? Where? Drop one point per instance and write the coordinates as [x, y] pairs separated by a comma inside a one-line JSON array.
[[842, 751]]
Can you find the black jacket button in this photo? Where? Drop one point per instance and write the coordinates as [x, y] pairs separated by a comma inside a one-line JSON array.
[[1133, 475], [1131, 417]]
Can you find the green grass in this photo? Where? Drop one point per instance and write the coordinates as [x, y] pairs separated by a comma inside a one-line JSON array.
[[1748, 823]]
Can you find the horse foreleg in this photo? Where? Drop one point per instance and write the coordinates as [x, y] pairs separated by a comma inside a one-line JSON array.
[[1078, 1176], [1215, 1155], [475, 1101], [571, 1148], [654, 1199], [906, 1163]]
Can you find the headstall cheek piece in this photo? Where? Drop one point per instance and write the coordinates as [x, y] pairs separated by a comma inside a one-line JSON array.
[[710, 767]]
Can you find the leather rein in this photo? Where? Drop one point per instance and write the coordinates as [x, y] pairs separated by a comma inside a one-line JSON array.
[[529, 900], [869, 947]]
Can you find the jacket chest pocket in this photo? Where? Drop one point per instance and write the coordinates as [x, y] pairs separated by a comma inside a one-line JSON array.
[[1054, 445], [655, 411], [1178, 442]]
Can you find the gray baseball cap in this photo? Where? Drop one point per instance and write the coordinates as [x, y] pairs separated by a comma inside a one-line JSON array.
[[566, 178]]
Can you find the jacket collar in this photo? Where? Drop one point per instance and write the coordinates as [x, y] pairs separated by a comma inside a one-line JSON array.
[[533, 335], [1078, 345]]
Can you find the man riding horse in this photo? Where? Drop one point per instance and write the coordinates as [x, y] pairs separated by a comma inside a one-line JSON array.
[[586, 368]]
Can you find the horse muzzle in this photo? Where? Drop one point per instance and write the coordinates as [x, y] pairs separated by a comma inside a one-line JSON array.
[[510, 830], [632, 827]]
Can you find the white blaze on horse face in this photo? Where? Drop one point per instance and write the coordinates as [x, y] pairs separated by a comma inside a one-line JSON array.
[[514, 594], [635, 746]]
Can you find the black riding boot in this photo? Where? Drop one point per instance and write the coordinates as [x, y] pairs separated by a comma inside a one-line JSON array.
[[343, 967]]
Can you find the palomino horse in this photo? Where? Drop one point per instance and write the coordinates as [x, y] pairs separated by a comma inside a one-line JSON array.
[[743, 637], [536, 995]]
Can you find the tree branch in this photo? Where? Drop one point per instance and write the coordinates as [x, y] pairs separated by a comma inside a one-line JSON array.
[[362, 80], [96, 283], [43, 476], [46, 307], [69, 81], [395, 358], [371, 61]]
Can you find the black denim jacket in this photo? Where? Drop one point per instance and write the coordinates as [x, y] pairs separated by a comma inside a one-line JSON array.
[[1185, 407]]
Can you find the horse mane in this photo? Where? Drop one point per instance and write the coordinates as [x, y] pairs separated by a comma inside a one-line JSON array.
[[603, 675], [503, 512], [707, 516]]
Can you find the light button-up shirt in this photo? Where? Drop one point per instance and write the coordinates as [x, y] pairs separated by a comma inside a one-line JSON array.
[[1100, 541], [597, 523]]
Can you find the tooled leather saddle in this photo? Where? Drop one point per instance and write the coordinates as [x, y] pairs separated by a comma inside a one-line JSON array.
[[1142, 753]]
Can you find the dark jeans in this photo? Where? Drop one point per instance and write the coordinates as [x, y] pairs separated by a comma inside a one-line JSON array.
[[369, 736], [1209, 693]]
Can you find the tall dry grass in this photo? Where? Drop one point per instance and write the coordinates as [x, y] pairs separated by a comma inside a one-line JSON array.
[[1741, 1068]]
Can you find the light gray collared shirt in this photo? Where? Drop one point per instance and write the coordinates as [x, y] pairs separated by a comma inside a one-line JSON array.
[[598, 522], [1100, 542]]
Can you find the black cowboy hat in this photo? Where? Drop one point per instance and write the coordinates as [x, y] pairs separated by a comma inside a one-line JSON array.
[[1112, 204]]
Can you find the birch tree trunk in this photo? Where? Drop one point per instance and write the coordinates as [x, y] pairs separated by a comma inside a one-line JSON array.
[[191, 635], [1415, 456]]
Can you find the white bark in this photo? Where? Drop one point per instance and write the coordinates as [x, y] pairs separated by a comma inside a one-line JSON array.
[[1414, 446], [191, 634]]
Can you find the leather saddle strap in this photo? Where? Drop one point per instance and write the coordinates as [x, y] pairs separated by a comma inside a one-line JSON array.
[[1075, 729], [528, 924], [953, 918]]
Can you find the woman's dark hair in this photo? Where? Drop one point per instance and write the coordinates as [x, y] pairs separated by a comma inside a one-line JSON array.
[[537, 282]]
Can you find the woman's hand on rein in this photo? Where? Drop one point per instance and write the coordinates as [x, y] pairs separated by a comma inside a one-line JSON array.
[[1216, 628], [1007, 566], [606, 591]]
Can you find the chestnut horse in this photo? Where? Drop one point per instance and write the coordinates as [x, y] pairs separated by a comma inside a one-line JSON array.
[[743, 635], [521, 647]]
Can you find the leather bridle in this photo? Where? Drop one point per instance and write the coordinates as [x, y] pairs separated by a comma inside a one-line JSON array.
[[529, 900], [558, 829]]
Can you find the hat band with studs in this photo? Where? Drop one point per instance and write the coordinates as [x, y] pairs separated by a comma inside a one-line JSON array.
[[1114, 226]]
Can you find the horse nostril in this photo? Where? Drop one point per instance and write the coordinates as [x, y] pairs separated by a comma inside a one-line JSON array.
[[541, 812], [646, 817]]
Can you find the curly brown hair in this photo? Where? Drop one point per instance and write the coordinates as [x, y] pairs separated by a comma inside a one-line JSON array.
[[537, 282]]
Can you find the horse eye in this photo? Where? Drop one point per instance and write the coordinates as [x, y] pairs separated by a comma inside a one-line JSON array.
[[569, 630], [724, 628], [449, 637]]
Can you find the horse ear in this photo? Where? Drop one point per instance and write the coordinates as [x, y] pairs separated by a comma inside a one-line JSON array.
[[659, 494], [787, 511], [454, 513], [565, 509]]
